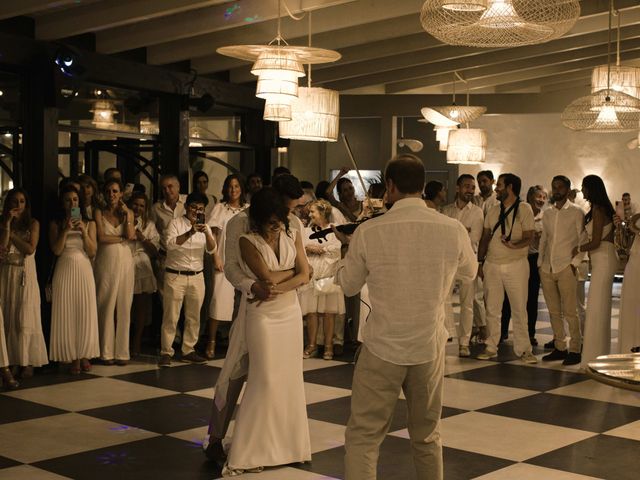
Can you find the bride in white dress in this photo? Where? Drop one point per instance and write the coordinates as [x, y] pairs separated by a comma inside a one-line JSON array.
[[629, 327], [271, 426], [604, 262]]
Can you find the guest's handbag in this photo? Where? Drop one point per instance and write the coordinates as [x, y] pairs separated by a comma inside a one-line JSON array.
[[325, 286]]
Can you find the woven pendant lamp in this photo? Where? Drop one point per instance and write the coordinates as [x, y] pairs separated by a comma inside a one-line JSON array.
[[467, 146]]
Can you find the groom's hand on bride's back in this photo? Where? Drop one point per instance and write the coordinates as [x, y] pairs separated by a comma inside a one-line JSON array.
[[264, 291]]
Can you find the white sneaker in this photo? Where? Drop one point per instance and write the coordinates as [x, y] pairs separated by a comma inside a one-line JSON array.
[[464, 351], [487, 355], [528, 357]]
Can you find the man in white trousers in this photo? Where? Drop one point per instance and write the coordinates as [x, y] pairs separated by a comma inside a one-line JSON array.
[[471, 217], [408, 258], [503, 251]]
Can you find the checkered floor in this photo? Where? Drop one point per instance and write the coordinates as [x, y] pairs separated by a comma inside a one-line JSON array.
[[502, 420]]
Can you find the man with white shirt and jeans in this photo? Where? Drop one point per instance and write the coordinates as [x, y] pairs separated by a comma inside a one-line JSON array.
[[503, 252], [289, 188], [472, 219], [408, 257], [562, 231], [187, 237]]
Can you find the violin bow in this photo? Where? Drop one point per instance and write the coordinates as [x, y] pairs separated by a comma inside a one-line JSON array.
[[355, 165]]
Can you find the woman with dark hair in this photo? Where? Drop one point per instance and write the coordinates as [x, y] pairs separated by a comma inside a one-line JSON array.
[[221, 306], [90, 194], [114, 274], [536, 197], [201, 184], [74, 315], [271, 424], [349, 205], [145, 250], [604, 262], [19, 290]]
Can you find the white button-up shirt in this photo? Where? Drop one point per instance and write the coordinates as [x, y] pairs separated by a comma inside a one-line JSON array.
[[162, 214], [408, 258], [562, 230], [189, 255], [237, 226], [486, 203], [498, 252], [471, 217]]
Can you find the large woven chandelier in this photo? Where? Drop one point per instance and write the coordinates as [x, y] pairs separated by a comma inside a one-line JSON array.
[[467, 146], [498, 23], [606, 110]]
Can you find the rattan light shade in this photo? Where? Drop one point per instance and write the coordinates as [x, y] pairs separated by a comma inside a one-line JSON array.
[[315, 116], [467, 146], [502, 23], [442, 137], [431, 115], [276, 112], [461, 113], [623, 79], [605, 111]]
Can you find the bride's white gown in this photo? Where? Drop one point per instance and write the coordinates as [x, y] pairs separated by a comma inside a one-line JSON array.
[[629, 327], [271, 425]]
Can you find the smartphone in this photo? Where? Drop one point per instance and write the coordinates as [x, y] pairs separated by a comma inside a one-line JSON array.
[[200, 218], [75, 213]]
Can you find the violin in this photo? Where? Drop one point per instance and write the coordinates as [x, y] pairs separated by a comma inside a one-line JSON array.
[[347, 228]]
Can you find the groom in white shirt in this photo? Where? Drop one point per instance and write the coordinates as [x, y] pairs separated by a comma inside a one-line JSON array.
[[408, 257]]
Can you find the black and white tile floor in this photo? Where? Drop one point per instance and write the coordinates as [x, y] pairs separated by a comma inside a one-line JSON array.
[[502, 420]]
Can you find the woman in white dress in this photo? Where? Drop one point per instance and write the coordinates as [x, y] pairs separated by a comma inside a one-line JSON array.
[[19, 290], [321, 298], [114, 274], [221, 307], [629, 326], [604, 262], [90, 194], [145, 250], [271, 424], [74, 316]]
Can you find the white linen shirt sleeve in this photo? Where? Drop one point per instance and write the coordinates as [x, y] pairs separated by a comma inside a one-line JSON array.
[[476, 229], [232, 269], [352, 273], [467, 261], [171, 233]]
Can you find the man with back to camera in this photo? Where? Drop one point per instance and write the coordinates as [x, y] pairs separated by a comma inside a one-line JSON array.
[[472, 219], [562, 231], [508, 230], [234, 371], [408, 257]]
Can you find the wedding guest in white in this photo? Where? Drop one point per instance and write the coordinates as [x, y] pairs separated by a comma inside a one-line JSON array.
[[435, 196], [221, 307], [19, 290], [271, 425], [471, 217], [629, 326], [408, 257], [114, 274], [6, 377], [201, 184], [487, 197], [187, 239], [321, 299], [74, 314], [145, 250], [537, 198], [562, 231], [90, 194], [253, 185], [508, 230], [604, 262]]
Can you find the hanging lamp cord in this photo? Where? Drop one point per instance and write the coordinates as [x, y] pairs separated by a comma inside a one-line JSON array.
[[609, 48]]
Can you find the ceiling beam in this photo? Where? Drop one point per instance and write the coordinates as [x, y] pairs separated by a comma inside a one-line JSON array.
[[104, 15], [325, 20], [218, 18], [27, 7], [541, 82], [568, 57]]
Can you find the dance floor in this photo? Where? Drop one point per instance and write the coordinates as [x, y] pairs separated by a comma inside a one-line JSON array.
[[502, 420]]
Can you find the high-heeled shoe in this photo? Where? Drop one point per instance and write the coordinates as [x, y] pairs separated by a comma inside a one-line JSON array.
[[328, 352], [311, 351], [26, 372], [210, 351], [8, 381]]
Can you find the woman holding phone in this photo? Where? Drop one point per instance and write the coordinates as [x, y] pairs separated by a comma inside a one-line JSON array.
[[74, 316], [19, 290], [114, 274]]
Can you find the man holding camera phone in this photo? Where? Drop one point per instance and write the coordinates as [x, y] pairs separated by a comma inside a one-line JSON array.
[[187, 238]]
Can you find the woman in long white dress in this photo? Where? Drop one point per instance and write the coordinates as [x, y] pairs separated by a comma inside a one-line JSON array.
[[321, 299], [6, 377], [271, 424], [145, 250], [604, 262], [114, 274], [74, 315], [221, 307], [629, 326], [19, 290]]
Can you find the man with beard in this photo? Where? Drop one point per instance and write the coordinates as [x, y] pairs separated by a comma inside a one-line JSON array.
[[487, 197], [562, 229], [472, 219], [508, 230]]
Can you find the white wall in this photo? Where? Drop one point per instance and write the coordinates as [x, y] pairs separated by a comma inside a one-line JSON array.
[[536, 147]]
